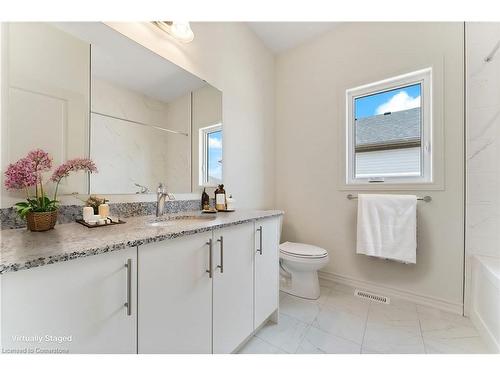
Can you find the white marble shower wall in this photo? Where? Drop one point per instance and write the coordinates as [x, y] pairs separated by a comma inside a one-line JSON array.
[[483, 140], [482, 271], [128, 153]]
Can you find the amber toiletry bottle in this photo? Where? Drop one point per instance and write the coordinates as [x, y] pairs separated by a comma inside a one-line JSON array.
[[205, 200], [220, 198]]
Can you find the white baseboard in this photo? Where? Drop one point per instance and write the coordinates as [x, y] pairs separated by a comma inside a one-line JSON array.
[[484, 332], [421, 299]]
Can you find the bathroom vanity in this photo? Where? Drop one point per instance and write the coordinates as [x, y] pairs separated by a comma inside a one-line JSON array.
[[184, 284], [190, 284]]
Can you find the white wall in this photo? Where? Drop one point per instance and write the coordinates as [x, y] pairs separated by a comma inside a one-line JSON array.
[[230, 57], [310, 90]]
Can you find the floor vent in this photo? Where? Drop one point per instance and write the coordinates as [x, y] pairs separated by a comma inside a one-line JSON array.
[[372, 297]]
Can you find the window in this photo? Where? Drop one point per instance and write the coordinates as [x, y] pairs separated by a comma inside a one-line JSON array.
[[211, 155], [389, 131]]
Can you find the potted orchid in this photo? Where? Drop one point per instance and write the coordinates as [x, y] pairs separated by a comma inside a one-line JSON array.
[[39, 210]]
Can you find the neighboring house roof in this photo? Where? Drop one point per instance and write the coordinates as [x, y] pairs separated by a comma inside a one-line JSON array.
[[390, 130]]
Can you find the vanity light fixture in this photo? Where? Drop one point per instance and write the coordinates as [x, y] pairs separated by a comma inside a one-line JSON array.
[[179, 30]]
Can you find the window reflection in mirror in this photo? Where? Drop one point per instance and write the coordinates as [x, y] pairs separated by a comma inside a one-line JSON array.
[[211, 155]]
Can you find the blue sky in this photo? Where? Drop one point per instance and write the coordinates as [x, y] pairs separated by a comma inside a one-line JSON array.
[[215, 155], [389, 101]]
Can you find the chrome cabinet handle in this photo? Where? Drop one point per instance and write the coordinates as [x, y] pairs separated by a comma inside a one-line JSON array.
[[259, 250], [209, 271], [221, 266], [128, 304]]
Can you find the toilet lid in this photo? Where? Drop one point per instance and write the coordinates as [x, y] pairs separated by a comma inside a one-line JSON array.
[[302, 250]]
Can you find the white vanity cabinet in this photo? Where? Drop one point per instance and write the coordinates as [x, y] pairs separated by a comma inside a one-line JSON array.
[[232, 286], [183, 308], [267, 232], [175, 296], [76, 306]]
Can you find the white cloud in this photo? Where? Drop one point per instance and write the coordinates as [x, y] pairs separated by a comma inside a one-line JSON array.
[[399, 102], [215, 143]]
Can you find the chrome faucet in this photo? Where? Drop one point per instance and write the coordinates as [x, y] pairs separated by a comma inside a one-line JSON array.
[[161, 195]]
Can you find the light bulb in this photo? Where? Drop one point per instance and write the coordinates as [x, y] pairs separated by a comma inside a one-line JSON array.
[[182, 31]]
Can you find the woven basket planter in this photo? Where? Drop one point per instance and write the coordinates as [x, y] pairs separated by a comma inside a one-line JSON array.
[[41, 221]]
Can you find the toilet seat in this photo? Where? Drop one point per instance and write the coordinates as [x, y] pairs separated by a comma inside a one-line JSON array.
[[312, 257], [303, 251]]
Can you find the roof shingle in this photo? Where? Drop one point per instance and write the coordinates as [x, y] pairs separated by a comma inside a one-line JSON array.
[[389, 129]]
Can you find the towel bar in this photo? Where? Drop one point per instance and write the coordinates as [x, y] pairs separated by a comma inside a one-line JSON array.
[[426, 199]]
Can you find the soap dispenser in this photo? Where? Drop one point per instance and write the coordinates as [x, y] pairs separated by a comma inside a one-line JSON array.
[[220, 198], [205, 200]]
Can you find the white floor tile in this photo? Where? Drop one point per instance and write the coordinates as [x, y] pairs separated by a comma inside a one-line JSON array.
[[341, 323], [286, 335], [396, 336], [258, 346], [449, 330], [324, 293], [396, 310], [282, 295], [316, 341], [441, 324], [342, 288], [347, 302], [430, 312], [369, 351], [460, 345], [401, 304], [299, 308]]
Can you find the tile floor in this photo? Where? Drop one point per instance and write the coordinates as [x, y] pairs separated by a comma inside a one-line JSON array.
[[339, 322]]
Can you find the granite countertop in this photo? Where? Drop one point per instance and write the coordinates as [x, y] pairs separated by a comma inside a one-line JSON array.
[[21, 249]]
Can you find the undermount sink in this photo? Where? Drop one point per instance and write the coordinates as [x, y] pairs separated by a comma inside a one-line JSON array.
[[174, 220]]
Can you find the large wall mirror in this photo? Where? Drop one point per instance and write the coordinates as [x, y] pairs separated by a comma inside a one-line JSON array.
[[83, 89]]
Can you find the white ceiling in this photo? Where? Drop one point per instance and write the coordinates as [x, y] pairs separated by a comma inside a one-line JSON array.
[[281, 36], [119, 60]]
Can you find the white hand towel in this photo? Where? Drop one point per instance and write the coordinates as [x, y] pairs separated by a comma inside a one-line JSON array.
[[387, 226]]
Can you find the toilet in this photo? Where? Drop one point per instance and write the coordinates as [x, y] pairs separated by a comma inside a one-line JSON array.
[[299, 265]]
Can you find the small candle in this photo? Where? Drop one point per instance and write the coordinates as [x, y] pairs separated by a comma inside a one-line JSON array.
[[104, 210], [88, 214]]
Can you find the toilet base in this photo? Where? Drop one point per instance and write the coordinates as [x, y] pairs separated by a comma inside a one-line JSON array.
[[301, 284]]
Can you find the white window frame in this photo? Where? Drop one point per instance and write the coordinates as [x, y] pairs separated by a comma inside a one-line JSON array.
[[203, 153], [422, 77]]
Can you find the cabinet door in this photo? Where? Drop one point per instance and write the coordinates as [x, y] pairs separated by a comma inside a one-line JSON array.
[[266, 268], [233, 286], [175, 296], [75, 306]]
